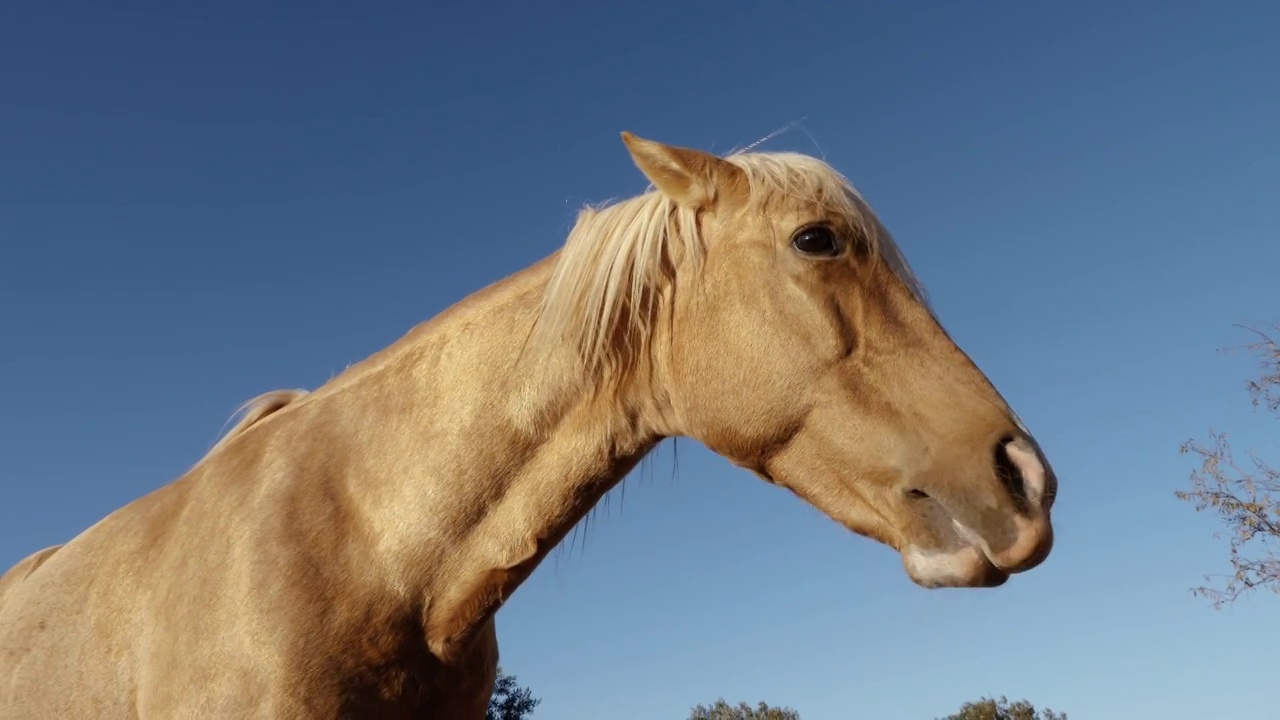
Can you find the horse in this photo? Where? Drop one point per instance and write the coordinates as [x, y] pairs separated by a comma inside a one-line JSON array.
[[342, 552]]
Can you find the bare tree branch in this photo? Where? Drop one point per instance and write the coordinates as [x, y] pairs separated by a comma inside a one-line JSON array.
[[1245, 496]]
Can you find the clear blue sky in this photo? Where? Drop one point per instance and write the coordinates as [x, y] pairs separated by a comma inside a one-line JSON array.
[[200, 205]]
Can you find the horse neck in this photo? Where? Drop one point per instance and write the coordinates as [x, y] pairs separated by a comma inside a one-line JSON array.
[[471, 460]]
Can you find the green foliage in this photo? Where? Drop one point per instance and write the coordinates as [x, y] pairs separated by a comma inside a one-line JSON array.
[[992, 709], [722, 710], [1245, 495], [509, 701]]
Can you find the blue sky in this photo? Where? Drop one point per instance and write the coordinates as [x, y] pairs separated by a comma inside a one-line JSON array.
[[200, 205]]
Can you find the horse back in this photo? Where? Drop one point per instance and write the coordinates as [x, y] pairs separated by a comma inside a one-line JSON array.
[[75, 618]]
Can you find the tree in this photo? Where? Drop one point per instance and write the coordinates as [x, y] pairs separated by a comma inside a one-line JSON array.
[[722, 710], [1245, 495], [992, 709], [509, 701]]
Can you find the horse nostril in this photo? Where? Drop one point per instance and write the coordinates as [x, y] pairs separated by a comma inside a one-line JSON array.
[[1010, 475], [917, 494]]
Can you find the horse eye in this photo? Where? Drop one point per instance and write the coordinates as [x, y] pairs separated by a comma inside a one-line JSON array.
[[818, 241]]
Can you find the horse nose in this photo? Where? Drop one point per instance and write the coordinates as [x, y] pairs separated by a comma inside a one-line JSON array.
[[1032, 485], [1025, 475]]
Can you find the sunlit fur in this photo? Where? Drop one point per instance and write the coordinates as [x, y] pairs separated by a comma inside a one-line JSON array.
[[342, 552]]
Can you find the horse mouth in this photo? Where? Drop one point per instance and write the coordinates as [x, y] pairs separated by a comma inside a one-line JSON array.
[[963, 559], [964, 566], [961, 556]]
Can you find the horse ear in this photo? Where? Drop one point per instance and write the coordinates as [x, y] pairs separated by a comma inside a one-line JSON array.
[[689, 177]]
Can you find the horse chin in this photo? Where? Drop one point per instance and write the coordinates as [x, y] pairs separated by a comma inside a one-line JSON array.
[[961, 566]]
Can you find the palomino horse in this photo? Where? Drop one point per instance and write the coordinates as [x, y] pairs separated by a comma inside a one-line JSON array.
[[342, 553]]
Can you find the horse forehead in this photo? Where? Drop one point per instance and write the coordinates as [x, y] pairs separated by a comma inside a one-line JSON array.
[[809, 194], [771, 208]]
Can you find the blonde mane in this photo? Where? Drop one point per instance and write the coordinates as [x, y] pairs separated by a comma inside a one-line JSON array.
[[254, 410], [617, 257]]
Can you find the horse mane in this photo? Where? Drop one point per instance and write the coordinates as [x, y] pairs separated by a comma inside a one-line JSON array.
[[602, 292], [255, 410]]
